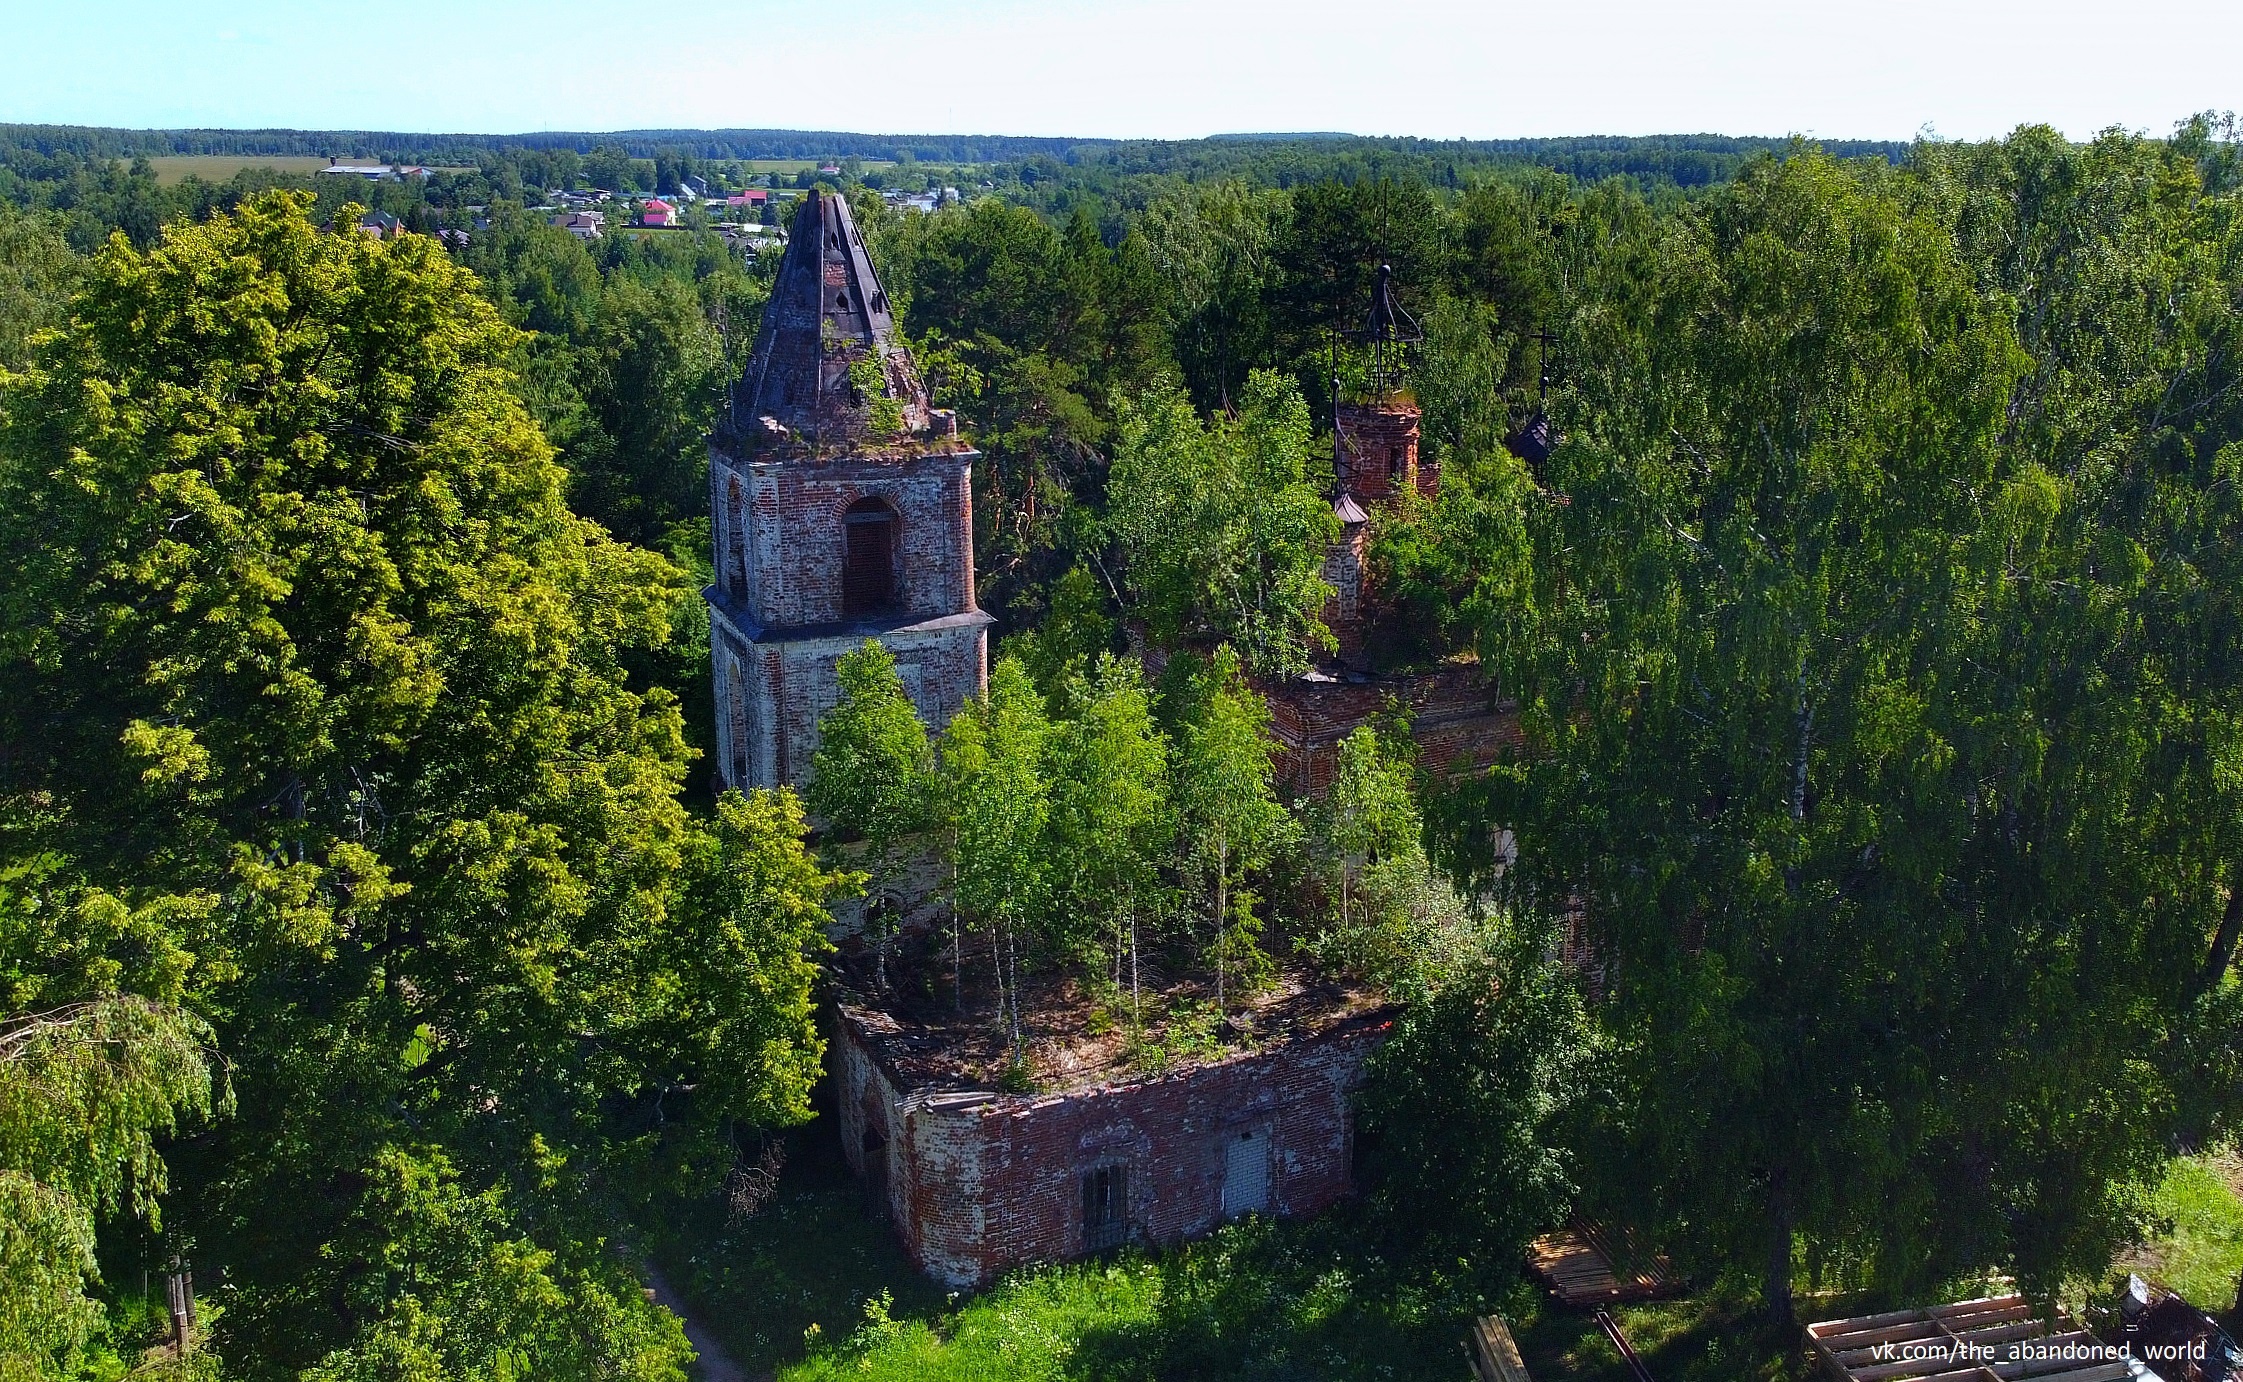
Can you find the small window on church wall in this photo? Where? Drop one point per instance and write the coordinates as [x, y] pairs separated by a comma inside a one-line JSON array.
[[868, 571], [1397, 460]]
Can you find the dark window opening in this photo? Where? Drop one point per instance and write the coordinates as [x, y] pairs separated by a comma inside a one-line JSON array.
[[1105, 1208], [875, 1175], [1397, 460], [868, 571]]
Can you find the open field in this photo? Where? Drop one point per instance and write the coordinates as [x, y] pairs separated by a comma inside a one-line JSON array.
[[177, 168], [796, 165]]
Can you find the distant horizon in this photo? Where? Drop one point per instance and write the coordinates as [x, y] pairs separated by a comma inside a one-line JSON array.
[[1129, 70], [1062, 137]]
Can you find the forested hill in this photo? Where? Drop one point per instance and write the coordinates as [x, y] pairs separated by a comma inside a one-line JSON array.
[[1685, 159], [389, 145]]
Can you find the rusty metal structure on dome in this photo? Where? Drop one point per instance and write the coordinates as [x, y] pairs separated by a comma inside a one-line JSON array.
[[804, 389], [1537, 437], [1387, 331]]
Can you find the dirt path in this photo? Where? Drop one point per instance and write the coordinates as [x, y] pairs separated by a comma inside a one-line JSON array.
[[715, 1364]]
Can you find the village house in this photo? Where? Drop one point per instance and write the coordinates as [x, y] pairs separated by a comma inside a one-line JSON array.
[[381, 225], [657, 212], [584, 225]]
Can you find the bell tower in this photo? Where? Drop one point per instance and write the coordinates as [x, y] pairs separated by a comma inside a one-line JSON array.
[[1375, 463], [843, 510]]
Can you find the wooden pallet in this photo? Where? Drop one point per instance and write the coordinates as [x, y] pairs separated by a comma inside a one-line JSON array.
[[1587, 1265], [1495, 1355], [1968, 1341]]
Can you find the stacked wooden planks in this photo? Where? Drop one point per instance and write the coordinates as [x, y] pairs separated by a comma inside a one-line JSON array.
[[1969, 1341], [1587, 1265], [1495, 1356]]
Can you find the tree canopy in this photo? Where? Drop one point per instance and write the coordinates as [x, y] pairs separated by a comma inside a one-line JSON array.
[[304, 653]]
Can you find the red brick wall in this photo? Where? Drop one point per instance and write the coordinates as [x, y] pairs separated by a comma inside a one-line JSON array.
[[1378, 451], [784, 542], [1457, 721], [779, 550], [980, 1182]]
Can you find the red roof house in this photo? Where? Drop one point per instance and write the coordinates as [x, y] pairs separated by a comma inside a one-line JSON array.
[[657, 213]]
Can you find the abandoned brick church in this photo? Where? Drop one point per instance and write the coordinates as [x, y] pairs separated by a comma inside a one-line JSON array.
[[843, 511], [843, 507]]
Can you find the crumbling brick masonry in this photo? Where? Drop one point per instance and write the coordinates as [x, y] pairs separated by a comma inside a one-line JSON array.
[[975, 1182]]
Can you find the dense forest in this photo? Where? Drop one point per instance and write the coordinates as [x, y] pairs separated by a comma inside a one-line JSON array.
[[371, 941]]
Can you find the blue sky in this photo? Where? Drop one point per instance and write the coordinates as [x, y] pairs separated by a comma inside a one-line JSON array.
[[1154, 68]]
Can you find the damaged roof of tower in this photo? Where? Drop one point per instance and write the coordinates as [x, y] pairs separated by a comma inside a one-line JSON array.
[[830, 372]]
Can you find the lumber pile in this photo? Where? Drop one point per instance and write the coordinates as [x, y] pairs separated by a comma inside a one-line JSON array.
[[1495, 1355], [1587, 1265], [1992, 1339]]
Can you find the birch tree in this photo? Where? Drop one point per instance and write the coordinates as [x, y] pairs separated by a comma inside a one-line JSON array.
[[1232, 820], [870, 776]]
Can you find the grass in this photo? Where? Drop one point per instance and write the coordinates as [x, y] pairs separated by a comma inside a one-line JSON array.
[[813, 1289], [1720, 1336], [2199, 1249], [796, 165], [1258, 1301], [177, 168], [801, 1269]]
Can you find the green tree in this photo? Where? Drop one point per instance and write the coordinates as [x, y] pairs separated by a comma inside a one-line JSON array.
[[1471, 1107], [300, 624], [1369, 813], [37, 271], [1074, 633], [1214, 248], [1222, 534], [1232, 821], [997, 802], [90, 1077], [1109, 824], [1820, 697], [1049, 323], [870, 776], [99, 1062]]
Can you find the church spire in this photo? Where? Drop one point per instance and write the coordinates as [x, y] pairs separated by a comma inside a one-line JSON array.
[[828, 354]]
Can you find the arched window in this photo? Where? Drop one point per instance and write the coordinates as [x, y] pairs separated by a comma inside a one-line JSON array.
[[736, 723], [735, 555], [868, 566]]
